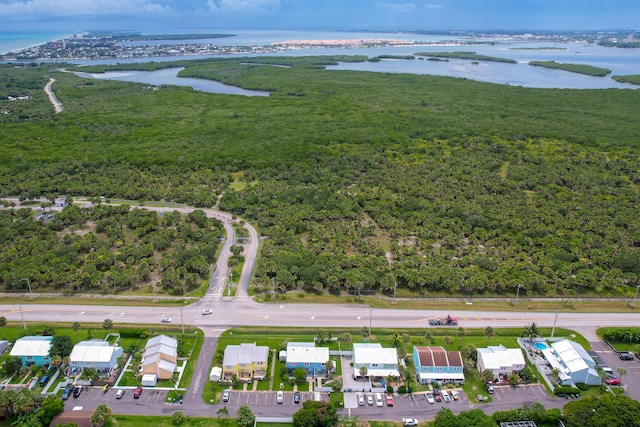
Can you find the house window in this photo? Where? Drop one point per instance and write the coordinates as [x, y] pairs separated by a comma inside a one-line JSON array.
[[243, 365], [29, 358], [307, 364]]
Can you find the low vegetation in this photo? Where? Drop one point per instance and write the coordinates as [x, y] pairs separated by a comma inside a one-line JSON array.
[[589, 70], [634, 79], [466, 55]]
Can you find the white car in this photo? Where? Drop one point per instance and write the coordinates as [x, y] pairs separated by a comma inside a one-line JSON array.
[[207, 311], [445, 396], [280, 397], [370, 399], [360, 399], [165, 319], [409, 422], [226, 395], [120, 393], [454, 395], [429, 397]]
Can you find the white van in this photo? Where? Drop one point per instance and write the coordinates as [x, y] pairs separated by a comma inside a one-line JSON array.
[[379, 401]]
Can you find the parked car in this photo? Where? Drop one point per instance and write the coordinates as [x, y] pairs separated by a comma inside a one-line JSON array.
[[120, 393], [490, 389], [612, 381], [105, 388], [625, 355], [370, 399], [165, 319], [454, 395], [137, 392], [44, 379], [379, 401], [280, 397], [429, 397], [207, 311], [389, 400], [409, 422], [76, 391], [226, 395], [445, 396], [296, 397], [67, 391], [437, 395], [360, 399]]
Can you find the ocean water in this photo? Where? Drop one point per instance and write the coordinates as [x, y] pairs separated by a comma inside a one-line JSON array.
[[12, 41]]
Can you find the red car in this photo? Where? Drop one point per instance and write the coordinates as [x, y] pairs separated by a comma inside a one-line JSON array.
[[137, 392], [612, 381], [389, 400]]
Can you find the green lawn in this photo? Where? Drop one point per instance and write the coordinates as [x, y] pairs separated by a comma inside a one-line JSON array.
[[165, 421]]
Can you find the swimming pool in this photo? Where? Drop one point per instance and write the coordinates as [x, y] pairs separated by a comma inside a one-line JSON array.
[[540, 346]]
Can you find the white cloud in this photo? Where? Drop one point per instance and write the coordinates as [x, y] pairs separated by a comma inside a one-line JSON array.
[[243, 5], [433, 6], [23, 8], [398, 7]]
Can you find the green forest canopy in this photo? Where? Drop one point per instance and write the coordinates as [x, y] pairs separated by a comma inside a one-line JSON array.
[[360, 180]]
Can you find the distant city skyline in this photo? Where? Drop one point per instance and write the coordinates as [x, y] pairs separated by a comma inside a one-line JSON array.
[[388, 15]]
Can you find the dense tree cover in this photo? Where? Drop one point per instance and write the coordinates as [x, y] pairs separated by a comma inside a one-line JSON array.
[[360, 180], [316, 414], [574, 68], [475, 417], [602, 411], [107, 248]]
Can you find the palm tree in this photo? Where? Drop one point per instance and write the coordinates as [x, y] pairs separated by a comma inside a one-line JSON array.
[[603, 376], [461, 334], [532, 331], [329, 365], [621, 373], [76, 326], [345, 338], [246, 418], [487, 376], [107, 324], [556, 373], [365, 332], [489, 332], [363, 371], [224, 411], [100, 415], [447, 341], [428, 335], [396, 339]]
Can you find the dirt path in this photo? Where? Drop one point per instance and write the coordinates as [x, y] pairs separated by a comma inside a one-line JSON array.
[[56, 104]]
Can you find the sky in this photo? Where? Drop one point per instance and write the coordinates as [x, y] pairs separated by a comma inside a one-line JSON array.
[[387, 15]]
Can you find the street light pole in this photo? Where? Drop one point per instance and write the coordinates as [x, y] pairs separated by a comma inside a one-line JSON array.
[[518, 292], [28, 284], [370, 317], [636, 295], [395, 284]]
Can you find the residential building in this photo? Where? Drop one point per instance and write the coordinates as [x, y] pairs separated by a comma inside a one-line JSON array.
[[573, 363], [500, 360], [307, 356], [160, 357], [245, 362], [95, 354], [379, 361], [435, 364], [32, 350]]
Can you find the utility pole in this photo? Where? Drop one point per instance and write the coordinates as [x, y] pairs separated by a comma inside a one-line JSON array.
[[636, 295], [370, 317], [395, 284], [22, 315], [518, 292], [554, 324], [182, 320], [28, 284]]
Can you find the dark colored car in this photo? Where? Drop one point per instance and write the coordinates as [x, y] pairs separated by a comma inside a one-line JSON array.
[[67, 391], [625, 355], [137, 392], [296, 397], [77, 391], [44, 379]]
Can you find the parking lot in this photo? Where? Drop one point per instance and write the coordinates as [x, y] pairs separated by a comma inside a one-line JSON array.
[[95, 396], [268, 398]]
